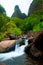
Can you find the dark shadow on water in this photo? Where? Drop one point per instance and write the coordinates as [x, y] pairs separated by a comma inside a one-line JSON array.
[[21, 60]]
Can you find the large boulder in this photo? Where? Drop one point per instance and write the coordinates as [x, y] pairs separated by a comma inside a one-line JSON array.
[[36, 47], [7, 45]]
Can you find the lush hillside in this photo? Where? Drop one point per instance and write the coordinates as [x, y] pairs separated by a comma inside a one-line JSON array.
[[17, 21], [33, 20], [17, 24], [35, 6], [8, 26]]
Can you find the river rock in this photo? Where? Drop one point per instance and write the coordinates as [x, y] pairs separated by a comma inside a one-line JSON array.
[[11, 36], [30, 39], [9, 45], [6, 45]]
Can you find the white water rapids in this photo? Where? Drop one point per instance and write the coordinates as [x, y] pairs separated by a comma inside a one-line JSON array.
[[17, 52]]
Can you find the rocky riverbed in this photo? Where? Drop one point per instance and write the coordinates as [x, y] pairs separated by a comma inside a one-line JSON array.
[[33, 54]]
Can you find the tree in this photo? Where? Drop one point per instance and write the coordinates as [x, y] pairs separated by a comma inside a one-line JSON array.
[[17, 21], [3, 20]]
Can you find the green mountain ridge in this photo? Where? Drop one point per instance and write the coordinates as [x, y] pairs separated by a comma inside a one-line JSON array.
[[36, 5], [18, 13]]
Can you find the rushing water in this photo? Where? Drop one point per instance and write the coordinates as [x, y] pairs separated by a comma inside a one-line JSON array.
[[17, 57], [19, 50], [26, 42]]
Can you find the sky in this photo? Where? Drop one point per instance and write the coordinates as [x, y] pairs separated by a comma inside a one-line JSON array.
[[9, 5]]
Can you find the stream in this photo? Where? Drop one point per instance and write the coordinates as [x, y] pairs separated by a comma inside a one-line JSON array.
[[17, 56]]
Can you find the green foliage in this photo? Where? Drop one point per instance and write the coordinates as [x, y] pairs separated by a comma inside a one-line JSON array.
[[12, 28], [35, 6], [18, 26], [3, 21], [30, 22], [17, 31], [17, 21], [1, 37], [9, 28], [8, 25], [38, 27]]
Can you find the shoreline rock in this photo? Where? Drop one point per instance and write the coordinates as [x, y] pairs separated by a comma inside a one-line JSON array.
[[4, 45]]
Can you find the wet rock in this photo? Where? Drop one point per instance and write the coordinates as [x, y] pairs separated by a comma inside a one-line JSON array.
[[30, 39], [11, 36], [35, 52], [27, 48], [38, 41], [20, 41], [9, 45], [36, 48]]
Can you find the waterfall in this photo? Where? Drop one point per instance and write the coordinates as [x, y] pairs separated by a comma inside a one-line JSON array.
[[19, 50], [16, 46], [26, 42]]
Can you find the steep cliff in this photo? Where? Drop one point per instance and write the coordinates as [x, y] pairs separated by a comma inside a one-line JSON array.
[[2, 10], [18, 13], [36, 5]]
